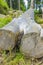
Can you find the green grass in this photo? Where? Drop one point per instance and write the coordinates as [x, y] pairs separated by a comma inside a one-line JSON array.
[[4, 21], [17, 59]]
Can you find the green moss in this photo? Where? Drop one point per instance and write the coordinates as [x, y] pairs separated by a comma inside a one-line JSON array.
[[4, 21]]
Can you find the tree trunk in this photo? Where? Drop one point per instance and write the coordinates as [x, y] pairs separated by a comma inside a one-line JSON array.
[[10, 3], [19, 4], [32, 4], [42, 14], [36, 6]]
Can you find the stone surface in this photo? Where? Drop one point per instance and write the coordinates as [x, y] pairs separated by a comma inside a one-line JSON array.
[[32, 45], [12, 26], [8, 33], [39, 49], [32, 40], [28, 44], [7, 40]]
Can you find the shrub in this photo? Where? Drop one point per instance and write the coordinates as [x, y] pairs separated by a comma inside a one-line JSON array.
[[38, 11]]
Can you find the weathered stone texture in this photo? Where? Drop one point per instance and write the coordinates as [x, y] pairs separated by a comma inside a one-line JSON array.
[[32, 40]]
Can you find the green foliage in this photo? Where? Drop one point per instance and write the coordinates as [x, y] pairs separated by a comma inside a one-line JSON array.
[[38, 11], [38, 16], [15, 4], [38, 19], [4, 21], [3, 7], [38, 1], [22, 5], [23, 8], [8, 2]]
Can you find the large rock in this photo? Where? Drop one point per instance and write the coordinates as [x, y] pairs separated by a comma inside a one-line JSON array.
[[10, 32], [28, 44], [32, 42], [7, 39], [9, 35], [32, 45], [31, 38], [38, 50]]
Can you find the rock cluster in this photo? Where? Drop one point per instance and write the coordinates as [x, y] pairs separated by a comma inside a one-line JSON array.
[[31, 40]]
